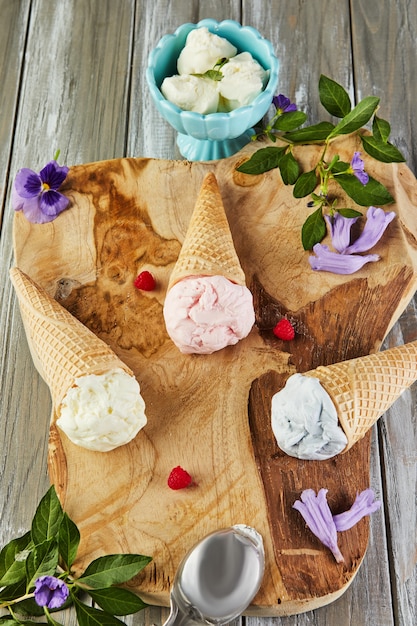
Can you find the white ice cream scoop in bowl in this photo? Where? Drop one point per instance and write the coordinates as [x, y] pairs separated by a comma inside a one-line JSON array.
[[204, 137], [218, 578]]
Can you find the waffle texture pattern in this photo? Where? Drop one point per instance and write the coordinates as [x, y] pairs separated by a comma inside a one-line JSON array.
[[62, 348], [208, 248], [362, 389]]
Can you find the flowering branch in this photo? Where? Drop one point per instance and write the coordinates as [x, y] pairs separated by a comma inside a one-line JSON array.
[[36, 577], [351, 177]]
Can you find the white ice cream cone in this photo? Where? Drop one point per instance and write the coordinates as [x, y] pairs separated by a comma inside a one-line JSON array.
[[62, 348]]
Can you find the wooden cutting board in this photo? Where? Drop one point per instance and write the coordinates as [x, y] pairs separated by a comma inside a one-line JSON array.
[[211, 414]]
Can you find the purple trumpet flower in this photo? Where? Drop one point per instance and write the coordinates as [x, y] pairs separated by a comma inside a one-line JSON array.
[[376, 222], [328, 261], [318, 517], [364, 504], [346, 260], [325, 526], [283, 104], [51, 592], [37, 195], [357, 167], [340, 228]]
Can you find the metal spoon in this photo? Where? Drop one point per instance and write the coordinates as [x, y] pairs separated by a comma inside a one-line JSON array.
[[218, 578]]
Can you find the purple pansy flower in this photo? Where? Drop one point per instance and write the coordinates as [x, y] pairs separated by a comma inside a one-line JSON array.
[[318, 517], [283, 104], [37, 195], [50, 592], [357, 167], [346, 260]]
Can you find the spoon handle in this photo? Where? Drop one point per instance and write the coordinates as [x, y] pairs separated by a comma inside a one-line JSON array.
[[177, 617]]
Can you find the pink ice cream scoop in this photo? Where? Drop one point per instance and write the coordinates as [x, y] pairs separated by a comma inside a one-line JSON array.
[[204, 314]]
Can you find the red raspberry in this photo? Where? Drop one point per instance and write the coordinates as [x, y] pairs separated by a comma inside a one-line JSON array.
[[179, 478], [145, 281], [284, 330]]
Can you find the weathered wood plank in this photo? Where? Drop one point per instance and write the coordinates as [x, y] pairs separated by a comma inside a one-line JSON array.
[[308, 43], [74, 97], [398, 436], [384, 49], [13, 27], [384, 42], [21, 464], [305, 44], [82, 59]]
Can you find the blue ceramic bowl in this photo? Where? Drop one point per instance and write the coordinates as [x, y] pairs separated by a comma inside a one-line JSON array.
[[216, 135]]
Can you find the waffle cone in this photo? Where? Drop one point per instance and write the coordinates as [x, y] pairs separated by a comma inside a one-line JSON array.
[[208, 248], [62, 348], [362, 389]]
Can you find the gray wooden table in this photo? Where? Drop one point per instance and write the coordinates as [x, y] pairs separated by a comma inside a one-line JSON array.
[[72, 78]]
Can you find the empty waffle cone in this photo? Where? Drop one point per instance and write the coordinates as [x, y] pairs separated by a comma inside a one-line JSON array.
[[362, 389], [208, 248], [62, 348]]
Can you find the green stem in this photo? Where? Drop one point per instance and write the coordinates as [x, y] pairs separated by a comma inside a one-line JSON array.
[[323, 154], [8, 604], [47, 613]]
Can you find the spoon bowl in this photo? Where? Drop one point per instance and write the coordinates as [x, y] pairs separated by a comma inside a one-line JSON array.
[[218, 578]]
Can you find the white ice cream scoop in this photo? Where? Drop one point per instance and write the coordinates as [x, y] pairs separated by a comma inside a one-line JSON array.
[[218, 578]]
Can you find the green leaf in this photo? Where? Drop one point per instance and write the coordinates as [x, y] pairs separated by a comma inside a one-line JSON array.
[[340, 166], [213, 75], [313, 230], [381, 129], [13, 560], [42, 561], [113, 570], [310, 134], [262, 160], [382, 151], [290, 120], [117, 600], [334, 97], [357, 117], [12, 592], [349, 212], [373, 193], [88, 616], [48, 518], [289, 168], [7, 620], [305, 184], [68, 540]]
